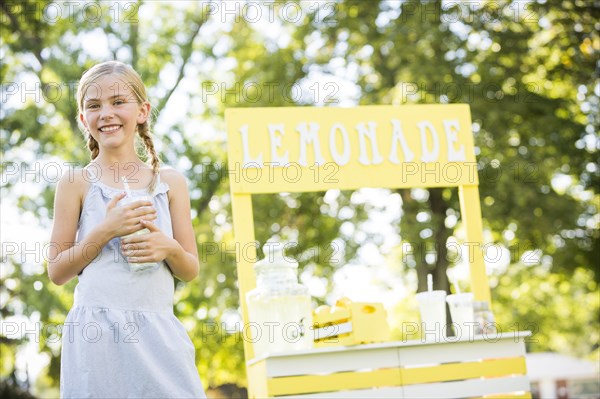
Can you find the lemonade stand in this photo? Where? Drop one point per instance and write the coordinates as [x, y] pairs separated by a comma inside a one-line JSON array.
[[300, 149]]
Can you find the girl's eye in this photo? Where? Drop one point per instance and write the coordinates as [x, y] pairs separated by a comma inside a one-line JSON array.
[[92, 106], [119, 102]]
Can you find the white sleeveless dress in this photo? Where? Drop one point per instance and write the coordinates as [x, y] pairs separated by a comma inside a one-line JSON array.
[[121, 338]]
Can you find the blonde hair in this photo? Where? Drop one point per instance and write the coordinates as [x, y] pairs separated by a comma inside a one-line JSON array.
[[135, 84]]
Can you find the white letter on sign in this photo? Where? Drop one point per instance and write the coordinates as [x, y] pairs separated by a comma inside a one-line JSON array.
[[398, 136], [308, 136], [345, 157], [249, 162], [276, 143], [426, 154], [370, 133], [451, 128]]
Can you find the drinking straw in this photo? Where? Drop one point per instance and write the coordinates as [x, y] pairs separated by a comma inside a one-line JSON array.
[[455, 284], [127, 189], [429, 282]]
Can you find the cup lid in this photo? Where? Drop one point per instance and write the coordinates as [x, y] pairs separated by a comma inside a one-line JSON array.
[[274, 258], [134, 197], [463, 296], [435, 295]]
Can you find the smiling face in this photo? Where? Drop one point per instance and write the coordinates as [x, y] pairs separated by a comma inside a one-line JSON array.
[[111, 111]]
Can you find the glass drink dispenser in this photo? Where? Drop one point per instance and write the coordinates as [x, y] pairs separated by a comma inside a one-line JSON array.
[[279, 308]]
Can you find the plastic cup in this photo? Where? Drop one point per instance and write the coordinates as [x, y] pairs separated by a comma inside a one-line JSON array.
[[461, 310], [432, 306], [138, 267]]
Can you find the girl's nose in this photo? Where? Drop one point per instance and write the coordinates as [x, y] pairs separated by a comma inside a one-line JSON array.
[[106, 113]]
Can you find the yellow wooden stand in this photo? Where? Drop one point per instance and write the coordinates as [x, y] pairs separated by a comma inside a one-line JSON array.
[[492, 366], [300, 149]]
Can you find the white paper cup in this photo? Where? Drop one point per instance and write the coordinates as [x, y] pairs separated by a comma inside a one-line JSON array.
[[461, 310], [138, 267], [432, 306]]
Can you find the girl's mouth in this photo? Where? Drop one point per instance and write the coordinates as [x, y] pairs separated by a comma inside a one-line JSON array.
[[109, 128]]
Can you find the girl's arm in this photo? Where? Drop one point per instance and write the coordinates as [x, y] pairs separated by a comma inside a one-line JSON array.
[[66, 257], [183, 258]]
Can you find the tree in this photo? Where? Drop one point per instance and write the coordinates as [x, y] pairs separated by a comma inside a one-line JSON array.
[[509, 62]]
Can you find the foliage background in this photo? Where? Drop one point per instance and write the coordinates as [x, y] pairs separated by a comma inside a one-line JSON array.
[[528, 69]]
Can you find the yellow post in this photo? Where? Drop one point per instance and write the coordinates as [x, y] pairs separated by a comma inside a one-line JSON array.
[[243, 225], [470, 212]]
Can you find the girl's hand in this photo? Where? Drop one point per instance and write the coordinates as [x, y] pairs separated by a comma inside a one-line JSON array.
[[149, 247], [126, 219]]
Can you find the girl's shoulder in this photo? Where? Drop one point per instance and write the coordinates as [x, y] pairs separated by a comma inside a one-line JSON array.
[[174, 179], [74, 183], [172, 176], [75, 178]]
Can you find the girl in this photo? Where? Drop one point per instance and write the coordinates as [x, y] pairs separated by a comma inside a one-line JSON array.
[[121, 338]]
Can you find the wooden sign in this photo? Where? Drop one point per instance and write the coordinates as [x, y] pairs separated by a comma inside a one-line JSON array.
[[315, 149]]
